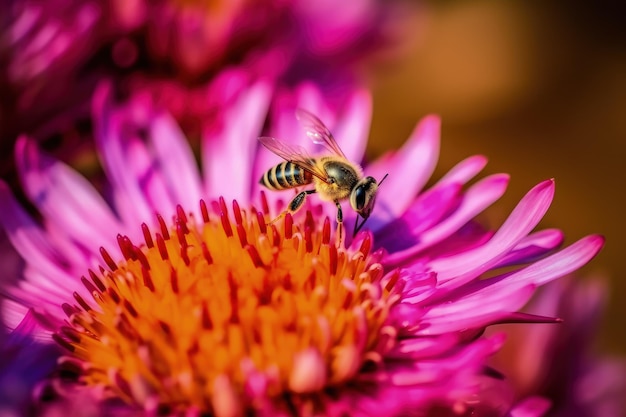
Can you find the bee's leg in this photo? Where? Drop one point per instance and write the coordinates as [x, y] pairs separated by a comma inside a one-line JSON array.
[[294, 204], [339, 224], [339, 212]]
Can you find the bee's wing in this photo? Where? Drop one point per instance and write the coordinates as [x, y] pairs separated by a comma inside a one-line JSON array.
[[318, 132], [294, 154]]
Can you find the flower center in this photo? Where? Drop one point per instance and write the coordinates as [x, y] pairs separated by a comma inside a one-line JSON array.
[[216, 314]]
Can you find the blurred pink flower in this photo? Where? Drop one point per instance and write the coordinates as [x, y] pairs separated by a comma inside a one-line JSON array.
[[44, 46], [195, 37], [54, 52], [559, 362], [390, 324]]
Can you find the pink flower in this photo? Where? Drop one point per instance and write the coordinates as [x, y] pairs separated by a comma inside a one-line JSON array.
[[55, 51], [43, 46], [196, 37], [208, 308], [188, 45]]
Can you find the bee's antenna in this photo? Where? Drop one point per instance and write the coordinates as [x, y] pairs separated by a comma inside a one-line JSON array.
[[356, 226]]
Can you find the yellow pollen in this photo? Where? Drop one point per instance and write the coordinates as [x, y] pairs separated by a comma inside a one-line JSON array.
[[210, 311]]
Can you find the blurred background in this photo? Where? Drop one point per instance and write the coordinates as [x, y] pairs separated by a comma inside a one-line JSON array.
[[539, 87]]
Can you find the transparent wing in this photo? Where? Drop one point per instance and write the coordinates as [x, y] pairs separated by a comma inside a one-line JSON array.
[[294, 154], [318, 132]]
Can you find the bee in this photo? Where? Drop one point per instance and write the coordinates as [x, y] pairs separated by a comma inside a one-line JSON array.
[[333, 176]]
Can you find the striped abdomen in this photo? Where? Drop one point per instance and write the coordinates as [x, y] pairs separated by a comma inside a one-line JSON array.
[[286, 175]]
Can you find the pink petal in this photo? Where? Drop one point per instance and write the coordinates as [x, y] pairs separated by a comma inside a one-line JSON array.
[[554, 266], [533, 246], [519, 317], [458, 269], [285, 125], [354, 125], [424, 347], [28, 238], [408, 169], [427, 211], [23, 330], [418, 285], [176, 162], [531, 407], [13, 313], [142, 171], [228, 153], [428, 208], [474, 311], [505, 292], [476, 199], [468, 359], [129, 196], [464, 170], [65, 198], [469, 237]]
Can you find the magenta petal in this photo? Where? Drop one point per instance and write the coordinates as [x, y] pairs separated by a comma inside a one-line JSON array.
[[474, 311], [176, 161], [130, 198], [418, 285], [47, 289], [228, 150], [424, 347], [464, 170], [456, 270], [12, 313], [24, 330], [554, 266], [24, 363], [143, 170], [476, 199], [428, 208], [531, 407], [465, 360], [426, 211], [27, 237], [533, 246], [408, 169], [285, 125], [519, 317], [406, 317], [65, 198], [146, 158], [352, 131], [508, 293]]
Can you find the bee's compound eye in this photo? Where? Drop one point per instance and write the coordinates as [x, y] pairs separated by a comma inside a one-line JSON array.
[[363, 196], [359, 197]]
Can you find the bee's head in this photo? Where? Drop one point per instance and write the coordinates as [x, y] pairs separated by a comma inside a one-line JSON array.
[[363, 198]]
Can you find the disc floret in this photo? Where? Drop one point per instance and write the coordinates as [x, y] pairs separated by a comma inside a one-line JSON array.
[[219, 313]]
